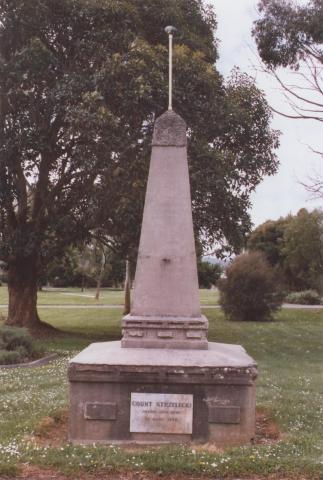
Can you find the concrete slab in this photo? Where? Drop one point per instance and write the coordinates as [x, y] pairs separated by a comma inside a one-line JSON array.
[[110, 353]]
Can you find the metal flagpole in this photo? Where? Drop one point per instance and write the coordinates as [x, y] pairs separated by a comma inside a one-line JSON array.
[[170, 31]]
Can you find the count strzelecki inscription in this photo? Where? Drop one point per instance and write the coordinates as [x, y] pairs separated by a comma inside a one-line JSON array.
[[161, 413]]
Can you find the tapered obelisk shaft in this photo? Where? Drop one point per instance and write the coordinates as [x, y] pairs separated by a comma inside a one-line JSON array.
[[166, 276]]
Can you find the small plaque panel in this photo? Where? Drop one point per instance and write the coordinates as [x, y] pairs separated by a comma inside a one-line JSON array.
[[161, 413], [224, 414], [100, 411]]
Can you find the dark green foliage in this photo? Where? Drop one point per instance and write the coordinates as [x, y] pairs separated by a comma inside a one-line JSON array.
[[208, 274], [81, 83], [78, 267], [16, 345], [303, 250], [305, 297], [63, 271], [294, 247], [83, 101], [250, 290], [289, 32], [268, 238]]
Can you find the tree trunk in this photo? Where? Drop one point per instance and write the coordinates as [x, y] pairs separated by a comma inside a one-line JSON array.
[[22, 286], [127, 288], [99, 278]]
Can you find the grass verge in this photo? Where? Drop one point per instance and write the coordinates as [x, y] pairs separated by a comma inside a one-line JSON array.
[[289, 352]]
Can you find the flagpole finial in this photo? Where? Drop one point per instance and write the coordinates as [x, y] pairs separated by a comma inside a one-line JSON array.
[[170, 32]]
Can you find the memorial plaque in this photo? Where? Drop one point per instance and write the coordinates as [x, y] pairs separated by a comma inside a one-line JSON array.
[[161, 413]]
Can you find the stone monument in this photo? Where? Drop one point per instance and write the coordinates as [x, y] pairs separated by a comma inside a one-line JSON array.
[[164, 382]]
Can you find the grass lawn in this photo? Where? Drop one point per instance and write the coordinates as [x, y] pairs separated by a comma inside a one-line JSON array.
[[289, 352], [108, 296]]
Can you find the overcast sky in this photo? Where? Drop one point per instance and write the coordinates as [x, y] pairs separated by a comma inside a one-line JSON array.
[[281, 194]]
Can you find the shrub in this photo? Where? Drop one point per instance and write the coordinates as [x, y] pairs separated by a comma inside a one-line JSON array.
[[16, 345], [306, 297], [250, 289]]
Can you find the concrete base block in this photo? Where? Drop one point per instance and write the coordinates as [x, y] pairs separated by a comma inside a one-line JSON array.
[[220, 381]]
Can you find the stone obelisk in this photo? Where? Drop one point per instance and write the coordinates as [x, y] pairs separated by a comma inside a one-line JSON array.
[[164, 383], [165, 310]]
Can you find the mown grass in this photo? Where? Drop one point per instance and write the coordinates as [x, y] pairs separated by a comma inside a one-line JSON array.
[[289, 352], [108, 296], [72, 296]]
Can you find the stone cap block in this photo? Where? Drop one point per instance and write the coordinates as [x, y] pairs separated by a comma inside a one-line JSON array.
[[170, 130]]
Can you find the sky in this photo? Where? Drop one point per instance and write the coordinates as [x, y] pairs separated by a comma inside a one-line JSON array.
[[282, 193]]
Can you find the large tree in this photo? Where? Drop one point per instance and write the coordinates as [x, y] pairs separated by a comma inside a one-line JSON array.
[[303, 250], [81, 82], [289, 35], [294, 246]]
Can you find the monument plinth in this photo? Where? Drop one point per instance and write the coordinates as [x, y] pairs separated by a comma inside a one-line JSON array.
[[164, 382]]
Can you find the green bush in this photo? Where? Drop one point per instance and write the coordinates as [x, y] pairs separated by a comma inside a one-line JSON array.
[[16, 345], [250, 291], [306, 297]]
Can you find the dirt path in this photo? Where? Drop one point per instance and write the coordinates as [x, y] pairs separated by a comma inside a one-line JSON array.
[[35, 473]]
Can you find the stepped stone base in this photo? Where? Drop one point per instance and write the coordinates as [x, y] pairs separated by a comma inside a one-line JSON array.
[[164, 332], [220, 383]]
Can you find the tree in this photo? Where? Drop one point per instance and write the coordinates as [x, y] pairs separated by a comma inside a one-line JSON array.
[[208, 273], [294, 247], [250, 291], [93, 263], [78, 98], [62, 271], [289, 35], [268, 238], [303, 250], [80, 267]]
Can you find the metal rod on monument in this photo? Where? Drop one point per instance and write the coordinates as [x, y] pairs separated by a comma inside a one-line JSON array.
[[170, 31]]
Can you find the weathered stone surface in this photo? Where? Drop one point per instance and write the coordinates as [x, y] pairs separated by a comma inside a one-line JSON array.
[[169, 131], [220, 379], [100, 411], [164, 332], [161, 413], [224, 414], [104, 355]]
